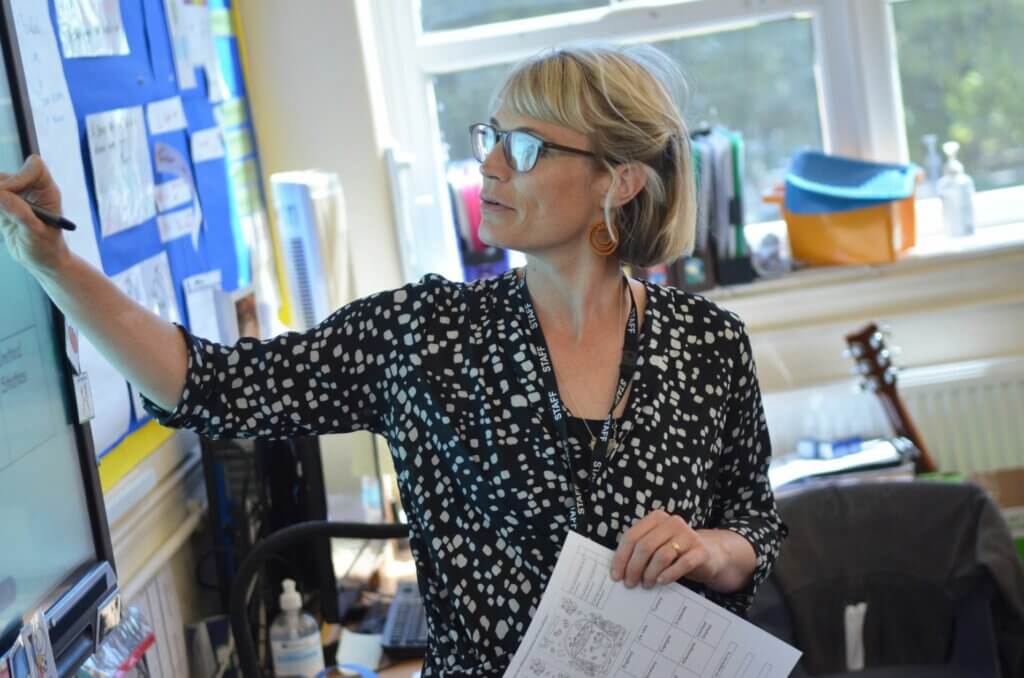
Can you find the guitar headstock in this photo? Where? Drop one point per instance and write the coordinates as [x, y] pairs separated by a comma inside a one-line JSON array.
[[873, 359], [878, 373]]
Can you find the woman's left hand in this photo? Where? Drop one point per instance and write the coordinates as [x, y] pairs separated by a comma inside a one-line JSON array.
[[660, 549]]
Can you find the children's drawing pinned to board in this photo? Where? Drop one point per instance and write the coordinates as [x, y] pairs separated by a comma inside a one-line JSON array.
[[184, 62], [171, 161], [91, 28], [122, 171], [192, 37], [149, 284]]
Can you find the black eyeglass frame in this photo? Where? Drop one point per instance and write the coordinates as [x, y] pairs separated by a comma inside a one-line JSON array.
[[501, 135]]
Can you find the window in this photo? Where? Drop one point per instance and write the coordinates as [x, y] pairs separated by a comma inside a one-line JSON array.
[[785, 73], [959, 65], [441, 15], [463, 98], [758, 80]]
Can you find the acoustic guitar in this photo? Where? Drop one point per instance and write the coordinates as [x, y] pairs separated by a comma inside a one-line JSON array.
[[879, 374]]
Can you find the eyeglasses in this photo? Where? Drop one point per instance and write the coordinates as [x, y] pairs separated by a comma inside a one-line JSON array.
[[521, 149]]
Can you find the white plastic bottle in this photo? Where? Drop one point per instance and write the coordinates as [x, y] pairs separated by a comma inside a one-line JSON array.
[[295, 638], [956, 189]]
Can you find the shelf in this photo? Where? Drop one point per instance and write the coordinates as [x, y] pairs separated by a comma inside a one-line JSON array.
[[942, 274]]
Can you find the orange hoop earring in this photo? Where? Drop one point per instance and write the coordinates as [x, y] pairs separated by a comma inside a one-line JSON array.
[[602, 242]]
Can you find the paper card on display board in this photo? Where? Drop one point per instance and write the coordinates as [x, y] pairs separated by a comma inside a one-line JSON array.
[[91, 28], [122, 169], [173, 193], [170, 161], [166, 115], [198, 27], [149, 284], [203, 301], [181, 44], [207, 144]]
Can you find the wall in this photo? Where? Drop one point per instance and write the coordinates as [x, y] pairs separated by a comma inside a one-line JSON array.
[[311, 102], [311, 105], [943, 307]]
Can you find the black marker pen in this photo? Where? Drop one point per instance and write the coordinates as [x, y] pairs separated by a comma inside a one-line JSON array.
[[51, 219]]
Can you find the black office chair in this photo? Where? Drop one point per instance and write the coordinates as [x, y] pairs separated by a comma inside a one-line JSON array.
[[935, 564], [287, 537]]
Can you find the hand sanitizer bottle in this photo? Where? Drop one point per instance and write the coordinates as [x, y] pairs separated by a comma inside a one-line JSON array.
[[956, 189], [295, 638]]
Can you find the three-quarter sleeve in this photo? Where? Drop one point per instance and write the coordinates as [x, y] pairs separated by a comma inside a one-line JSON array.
[[743, 500], [330, 379]]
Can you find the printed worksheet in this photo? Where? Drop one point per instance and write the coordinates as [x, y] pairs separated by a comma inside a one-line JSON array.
[[590, 626]]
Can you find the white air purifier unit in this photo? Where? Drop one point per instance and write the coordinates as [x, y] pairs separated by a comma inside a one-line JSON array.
[[313, 237]]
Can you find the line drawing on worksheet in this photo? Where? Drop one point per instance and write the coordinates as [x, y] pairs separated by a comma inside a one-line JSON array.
[[589, 626]]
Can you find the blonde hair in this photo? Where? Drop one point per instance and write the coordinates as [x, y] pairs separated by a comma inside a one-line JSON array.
[[623, 100]]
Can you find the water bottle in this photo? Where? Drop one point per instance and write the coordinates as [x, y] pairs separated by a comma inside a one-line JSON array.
[[295, 638]]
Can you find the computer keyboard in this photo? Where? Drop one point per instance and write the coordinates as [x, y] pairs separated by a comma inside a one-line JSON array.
[[405, 631]]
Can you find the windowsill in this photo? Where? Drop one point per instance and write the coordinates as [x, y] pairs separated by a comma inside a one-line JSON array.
[[941, 273]]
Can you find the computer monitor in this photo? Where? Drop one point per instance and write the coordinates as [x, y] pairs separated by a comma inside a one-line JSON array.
[[330, 477], [257, 487], [55, 551]]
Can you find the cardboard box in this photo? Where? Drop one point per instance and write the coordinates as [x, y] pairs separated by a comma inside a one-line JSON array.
[[1007, 489]]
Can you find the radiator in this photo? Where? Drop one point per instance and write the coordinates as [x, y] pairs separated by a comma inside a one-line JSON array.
[[971, 415], [159, 605]]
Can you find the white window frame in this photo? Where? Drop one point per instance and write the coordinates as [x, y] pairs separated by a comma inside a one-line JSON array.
[[856, 72]]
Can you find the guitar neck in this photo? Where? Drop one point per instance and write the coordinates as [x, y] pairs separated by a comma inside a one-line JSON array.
[[903, 425]]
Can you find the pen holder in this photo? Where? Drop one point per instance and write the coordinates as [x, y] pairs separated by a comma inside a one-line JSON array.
[[693, 273], [736, 271]]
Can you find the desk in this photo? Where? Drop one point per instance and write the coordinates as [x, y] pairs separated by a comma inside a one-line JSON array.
[[398, 569], [402, 670]]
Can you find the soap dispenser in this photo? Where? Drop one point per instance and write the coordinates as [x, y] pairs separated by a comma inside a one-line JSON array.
[[956, 189]]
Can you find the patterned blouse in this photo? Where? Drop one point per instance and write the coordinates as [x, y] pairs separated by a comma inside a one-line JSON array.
[[447, 372]]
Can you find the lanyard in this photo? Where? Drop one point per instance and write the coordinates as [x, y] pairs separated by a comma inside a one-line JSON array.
[[626, 365]]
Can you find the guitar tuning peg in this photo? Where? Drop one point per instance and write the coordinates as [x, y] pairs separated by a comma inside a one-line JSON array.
[[856, 350], [847, 353], [876, 340], [890, 375], [883, 357]]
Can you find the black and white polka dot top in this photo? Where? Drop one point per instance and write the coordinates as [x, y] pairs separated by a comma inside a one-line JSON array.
[[447, 373]]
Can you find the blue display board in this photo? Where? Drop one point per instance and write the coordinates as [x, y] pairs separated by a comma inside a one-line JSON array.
[[229, 190]]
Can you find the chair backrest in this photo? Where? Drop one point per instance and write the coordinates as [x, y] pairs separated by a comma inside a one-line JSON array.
[[920, 555], [241, 630]]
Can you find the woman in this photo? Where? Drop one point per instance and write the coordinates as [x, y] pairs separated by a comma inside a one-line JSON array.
[[560, 396]]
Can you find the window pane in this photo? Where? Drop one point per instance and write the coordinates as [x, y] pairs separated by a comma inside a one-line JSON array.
[[758, 81], [441, 15], [464, 98], [960, 73]]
